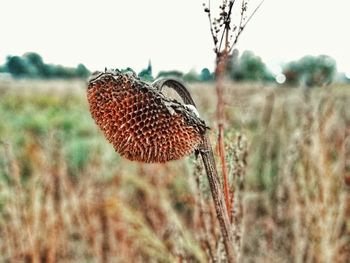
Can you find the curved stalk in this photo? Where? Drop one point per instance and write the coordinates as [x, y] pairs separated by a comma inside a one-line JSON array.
[[206, 152]]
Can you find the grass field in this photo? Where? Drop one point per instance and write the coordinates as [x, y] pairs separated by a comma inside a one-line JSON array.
[[66, 196]]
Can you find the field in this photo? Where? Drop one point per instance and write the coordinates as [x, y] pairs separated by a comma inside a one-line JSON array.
[[66, 196]]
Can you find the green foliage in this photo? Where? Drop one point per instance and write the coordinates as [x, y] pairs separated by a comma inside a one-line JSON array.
[[310, 71], [191, 76], [170, 73], [81, 71], [36, 62], [25, 117], [128, 70], [31, 65], [206, 75], [18, 67], [146, 74], [248, 67]]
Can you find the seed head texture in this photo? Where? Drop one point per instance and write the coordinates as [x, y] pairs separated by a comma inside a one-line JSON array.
[[141, 123]]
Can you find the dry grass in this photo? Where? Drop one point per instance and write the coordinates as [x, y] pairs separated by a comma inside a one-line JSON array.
[[65, 196]]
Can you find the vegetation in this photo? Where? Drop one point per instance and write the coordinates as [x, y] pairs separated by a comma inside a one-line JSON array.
[[310, 71], [248, 67], [282, 193], [31, 65], [146, 74], [66, 196]]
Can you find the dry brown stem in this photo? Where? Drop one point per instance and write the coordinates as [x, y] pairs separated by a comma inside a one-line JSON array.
[[219, 201], [223, 28]]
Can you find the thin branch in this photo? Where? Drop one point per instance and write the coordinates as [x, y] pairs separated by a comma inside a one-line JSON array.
[[222, 37], [214, 36], [241, 28], [226, 23], [256, 9]]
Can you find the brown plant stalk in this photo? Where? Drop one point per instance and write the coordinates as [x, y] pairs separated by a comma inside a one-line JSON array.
[[207, 155], [225, 29], [136, 118], [218, 197]]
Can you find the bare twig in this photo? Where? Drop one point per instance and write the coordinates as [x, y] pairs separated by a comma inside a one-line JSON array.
[[241, 28], [213, 34], [227, 22], [228, 25]]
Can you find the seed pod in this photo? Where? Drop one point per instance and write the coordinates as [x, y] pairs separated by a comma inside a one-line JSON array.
[[140, 121]]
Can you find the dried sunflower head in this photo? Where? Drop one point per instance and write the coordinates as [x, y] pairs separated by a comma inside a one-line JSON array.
[[140, 121]]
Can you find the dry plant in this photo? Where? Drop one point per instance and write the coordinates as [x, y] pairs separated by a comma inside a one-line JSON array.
[[295, 197], [316, 191], [142, 123], [52, 218], [225, 31], [145, 125]]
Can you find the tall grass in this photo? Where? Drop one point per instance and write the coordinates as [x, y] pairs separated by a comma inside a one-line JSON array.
[[66, 196]]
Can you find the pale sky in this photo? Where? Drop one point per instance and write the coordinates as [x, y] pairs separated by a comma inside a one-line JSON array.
[[173, 34]]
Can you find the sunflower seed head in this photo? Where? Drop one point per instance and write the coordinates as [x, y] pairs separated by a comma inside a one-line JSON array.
[[140, 122]]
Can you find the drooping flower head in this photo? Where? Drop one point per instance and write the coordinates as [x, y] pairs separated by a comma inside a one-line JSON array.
[[140, 121]]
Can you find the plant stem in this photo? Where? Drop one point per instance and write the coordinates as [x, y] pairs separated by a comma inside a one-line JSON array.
[[220, 72], [206, 151], [218, 197]]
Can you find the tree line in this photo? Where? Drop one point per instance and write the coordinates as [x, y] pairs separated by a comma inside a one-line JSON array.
[[309, 70], [31, 65]]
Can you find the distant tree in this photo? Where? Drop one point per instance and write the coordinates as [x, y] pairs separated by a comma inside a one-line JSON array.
[[170, 73], [31, 65], [128, 69], [59, 71], [69, 72], [18, 67], [310, 71], [37, 64], [82, 72], [191, 76], [292, 71], [248, 67], [206, 75], [3, 69], [146, 74]]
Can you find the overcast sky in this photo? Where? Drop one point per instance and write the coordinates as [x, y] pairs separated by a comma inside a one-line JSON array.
[[173, 34]]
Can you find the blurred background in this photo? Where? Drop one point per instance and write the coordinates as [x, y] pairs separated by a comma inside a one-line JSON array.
[[66, 196]]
